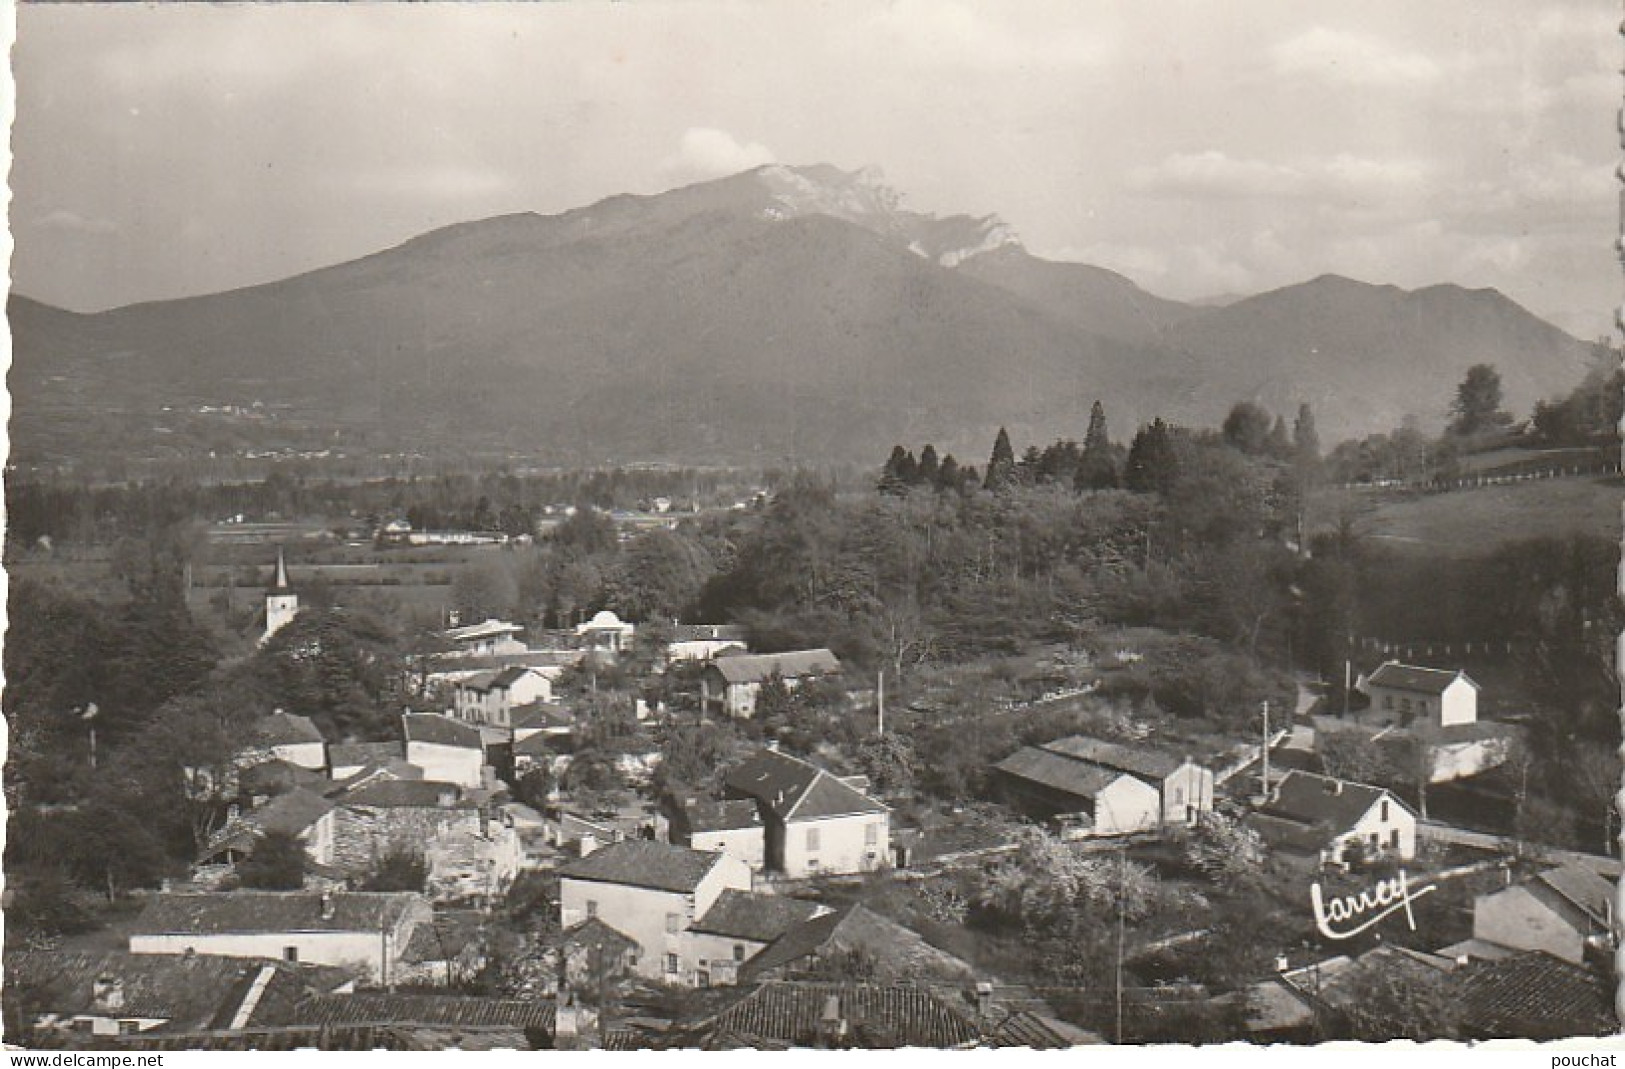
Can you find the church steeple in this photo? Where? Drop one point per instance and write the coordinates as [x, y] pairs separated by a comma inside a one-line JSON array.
[[281, 603]]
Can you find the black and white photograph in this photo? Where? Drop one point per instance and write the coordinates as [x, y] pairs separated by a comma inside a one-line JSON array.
[[696, 525]]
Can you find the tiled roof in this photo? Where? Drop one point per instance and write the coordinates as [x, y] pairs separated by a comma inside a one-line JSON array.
[[345, 754], [593, 933], [1535, 996], [403, 793], [1312, 799], [441, 731], [188, 991], [277, 776], [496, 679], [448, 1011], [484, 629], [539, 715], [447, 936], [759, 918], [1138, 761], [1025, 1029], [1056, 772], [891, 1015], [289, 814], [897, 951], [538, 744], [270, 911], [1584, 887], [359, 1037], [640, 863], [708, 633], [757, 667], [736, 814], [793, 789], [285, 729], [1410, 677]]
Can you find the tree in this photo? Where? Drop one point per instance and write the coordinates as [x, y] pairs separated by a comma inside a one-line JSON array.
[[929, 467], [1398, 1000], [1351, 755], [1001, 466], [888, 761], [948, 476], [1477, 407], [1247, 428], [398, 870], [1153, 466], [1097, 467], [1226, 851], [1597, 780], [277, 863], [1305, 438]]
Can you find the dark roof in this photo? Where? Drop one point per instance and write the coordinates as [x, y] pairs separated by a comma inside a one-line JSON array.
[[483, 629], [757, 667], [537, 744], [1025, 1029], [593, 933], [447, 936], [347, 1037], [539, 715], [1057, 772], [640, 863], [1312, 799], [1535, 996], [284, 729], [187, 990], [271, 911], [435, 1010], [1584, 887], [759, 918], [497, 679], [1135, 760], [793, 789], [889, 1015], [406, 793], [898, 951], [441, 730], [1410, 677], [289, 813], [345, 754], [277, 776], [736, 814]]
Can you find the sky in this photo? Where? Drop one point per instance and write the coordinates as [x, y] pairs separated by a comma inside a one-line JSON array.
[[1200, 148]]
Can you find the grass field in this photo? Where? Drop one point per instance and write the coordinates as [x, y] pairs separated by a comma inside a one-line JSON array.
[[1464, 522]]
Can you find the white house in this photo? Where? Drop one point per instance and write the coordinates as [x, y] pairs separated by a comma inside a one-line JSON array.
[[489, 697], [1433, 696], [1093, 799], [652, 893], [1335, 820], [488, 638], [607, 632], [363, 931], [730, 827], [300, 812], [1564, 911], [294, 739], [446, 749], [815, 822], [739, 925], [730, 684], [702, 642], [1184, 787]]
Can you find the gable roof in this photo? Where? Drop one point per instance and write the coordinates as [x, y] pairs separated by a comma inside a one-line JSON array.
[[186, 991], [215, 913], [1026, 1029], [290, 813], [285, 729], [1309, 798], [278, 776], [1583, 887], [759, 918], [404, 793], [708, 633], [898, 951], [372, 1007], [735, 814], [1534, 995], [1138, 761], [786, 1012], [793, 789], [540, 715], [1059, 772], [593, 934], [441, 731], [1411, 677], [641, 863], [757, 667], [495, 679], [346, 754], [491, 628]]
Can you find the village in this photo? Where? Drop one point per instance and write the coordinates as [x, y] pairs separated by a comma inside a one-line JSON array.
[[455, 883]]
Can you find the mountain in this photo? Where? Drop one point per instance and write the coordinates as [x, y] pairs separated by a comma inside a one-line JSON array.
[[783, 314]]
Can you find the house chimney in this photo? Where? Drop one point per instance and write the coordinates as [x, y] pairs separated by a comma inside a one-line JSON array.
[[984, 998], [328, 906], [107, 994], [1282, 963]]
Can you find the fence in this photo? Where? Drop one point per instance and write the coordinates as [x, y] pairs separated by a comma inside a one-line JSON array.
[[1473, 482]]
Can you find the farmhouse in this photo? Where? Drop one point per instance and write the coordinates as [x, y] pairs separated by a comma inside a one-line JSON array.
[[738, 926], [490, 697], [301, 813], [1184, 787], [652, 893], [366, 932], [703, 642], [469, 852], [815, 822], [894, 952], [1335, 821], [1433, 696], [732, 827], [294, 739], [447, 749], [730, 684], [1099, 800], [489, 638]]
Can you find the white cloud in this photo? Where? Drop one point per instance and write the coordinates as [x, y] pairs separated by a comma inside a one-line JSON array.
[[706, 152], [427, 182], [63, 220], [1344, 177], [1352, 59]]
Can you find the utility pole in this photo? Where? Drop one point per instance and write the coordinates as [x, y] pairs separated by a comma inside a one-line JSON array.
[[1122, 925], [880, 704], [1265, 751]]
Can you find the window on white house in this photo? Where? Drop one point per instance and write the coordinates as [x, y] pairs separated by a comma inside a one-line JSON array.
[[290, 953], [1387, 701], [871, 834], [812, 838], [674, 923], [739, 951], [1393, 839], [1384, 815], [671, 964], [128, 1028], [592, 908]]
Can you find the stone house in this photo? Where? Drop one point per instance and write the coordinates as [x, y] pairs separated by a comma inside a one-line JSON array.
[[730, 684]]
